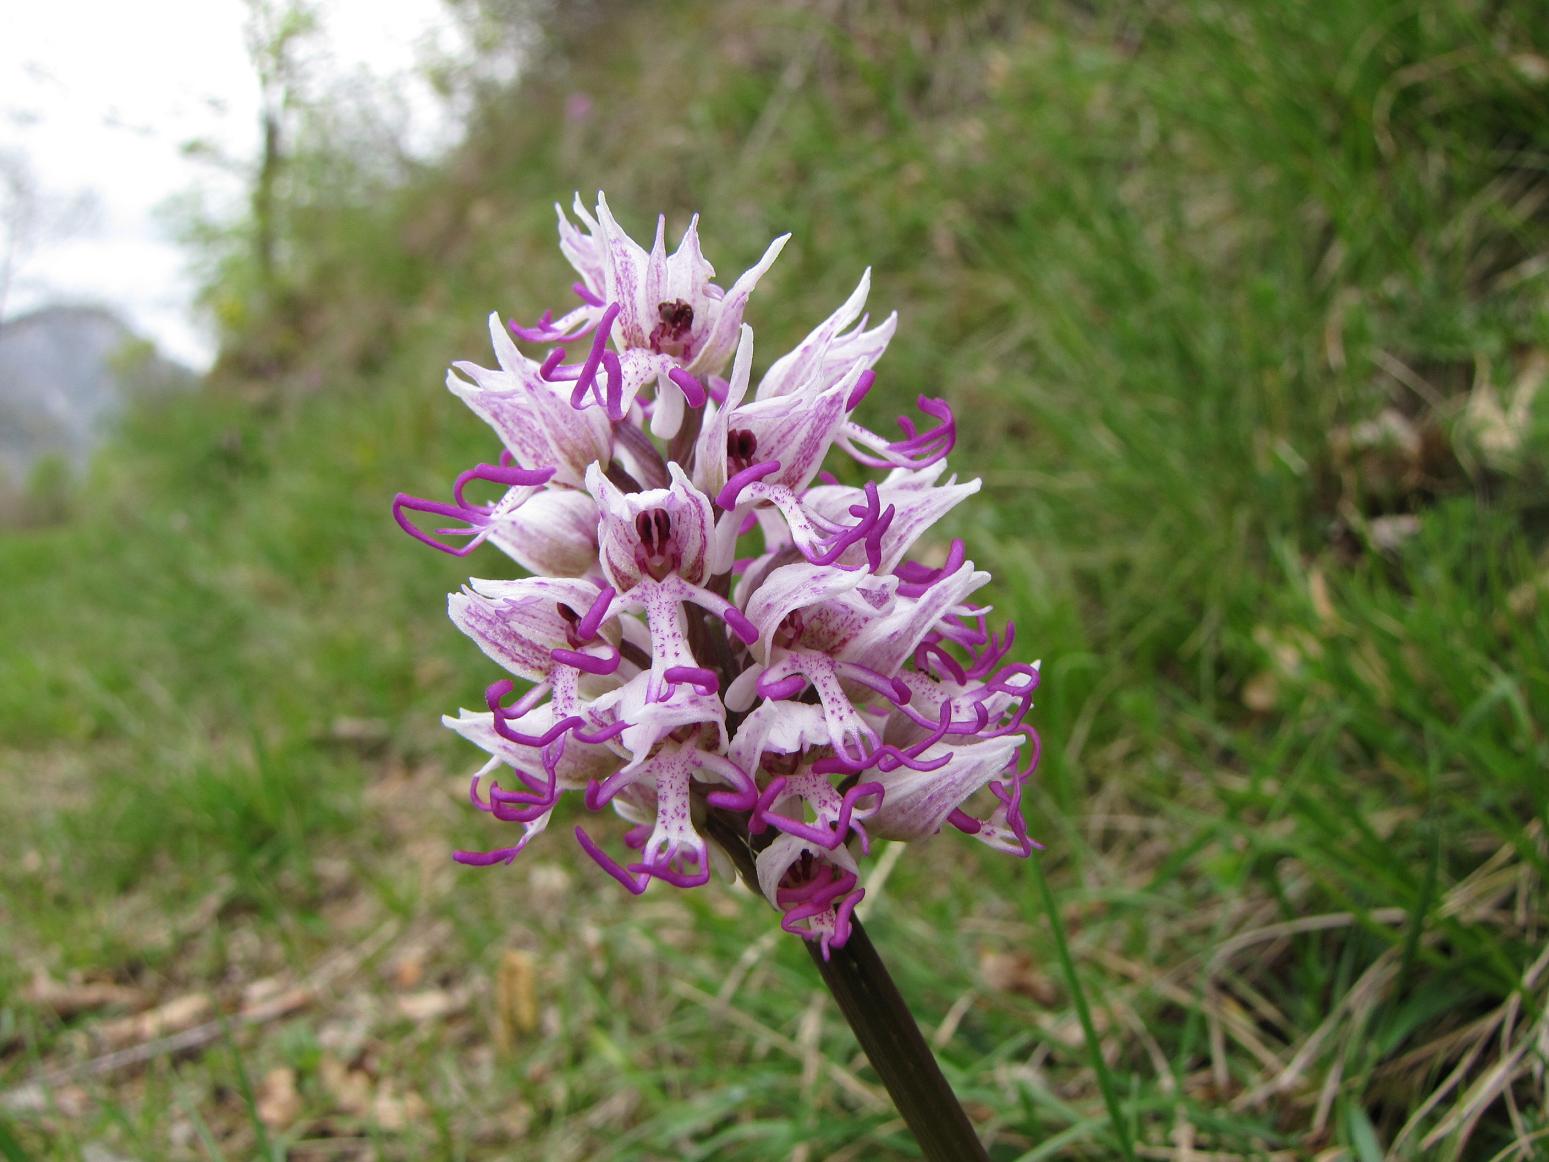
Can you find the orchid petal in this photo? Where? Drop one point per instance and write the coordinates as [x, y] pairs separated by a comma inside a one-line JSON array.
[[825, 355], [517, 623], [532, 418], [553, 531], [915, 804]]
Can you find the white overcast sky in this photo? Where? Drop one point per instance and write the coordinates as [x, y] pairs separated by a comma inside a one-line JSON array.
[[99, 97]]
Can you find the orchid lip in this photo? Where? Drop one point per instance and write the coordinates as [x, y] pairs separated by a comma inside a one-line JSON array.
[[590, 663], [827, 838], [549, 368], [544, 330], [563, 726], [964, 822], [783, 688], [872, 521], [586, 628], [606, 733], [707, 682], [693, 390], [916, 579], [727, 497], [403, 501], [487, 858], [635, 884], [917, 449], [740, 625], [510, 477], [585, 375], [861, 389], [666, 873]]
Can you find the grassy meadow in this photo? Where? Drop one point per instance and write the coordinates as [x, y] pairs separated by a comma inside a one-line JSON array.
[[1243, 312]]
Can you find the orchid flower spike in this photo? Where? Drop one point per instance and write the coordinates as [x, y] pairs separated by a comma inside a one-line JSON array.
[[718, 641]]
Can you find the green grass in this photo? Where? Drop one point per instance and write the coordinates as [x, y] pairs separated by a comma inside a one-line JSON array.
[[1223, 296]]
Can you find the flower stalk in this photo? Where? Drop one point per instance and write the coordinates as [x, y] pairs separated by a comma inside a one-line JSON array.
[[897, 1050], [881, 1020]]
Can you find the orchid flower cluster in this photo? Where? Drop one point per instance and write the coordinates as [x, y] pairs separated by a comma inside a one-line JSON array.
[[718, 640]]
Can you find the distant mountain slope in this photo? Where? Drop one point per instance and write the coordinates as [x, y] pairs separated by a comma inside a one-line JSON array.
[[65, 371]]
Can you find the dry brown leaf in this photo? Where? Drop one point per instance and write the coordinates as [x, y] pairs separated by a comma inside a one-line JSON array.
[[356, 1094], [279, 1103], [70, 998], [1497, 425], [171, 1017], [263, 990], [349, 1088], [1317, 590], [1288, 650], [70, 1100], [1532, 67], [408, 970], [516, 998], [1524, 599], [1384, 453], [431, 1004], [1261, 692], [393, 1111]]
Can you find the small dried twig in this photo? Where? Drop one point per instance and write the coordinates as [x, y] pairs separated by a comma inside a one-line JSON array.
[[187, 1040]]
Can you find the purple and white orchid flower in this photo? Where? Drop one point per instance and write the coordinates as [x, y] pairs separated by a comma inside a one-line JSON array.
[[669, 324], [719, 642]]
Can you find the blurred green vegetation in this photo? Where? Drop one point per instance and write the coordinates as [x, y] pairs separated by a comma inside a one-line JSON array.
[[1242, 310]]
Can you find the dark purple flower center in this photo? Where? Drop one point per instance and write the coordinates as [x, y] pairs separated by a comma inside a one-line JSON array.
[[657, 554], [741, 447], [671, 335], [571, 619], [781, 764]]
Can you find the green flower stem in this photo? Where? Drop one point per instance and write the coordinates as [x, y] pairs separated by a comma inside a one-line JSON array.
[[887, 1032]]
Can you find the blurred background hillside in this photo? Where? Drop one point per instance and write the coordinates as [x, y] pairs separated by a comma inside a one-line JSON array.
[[1243, 313]]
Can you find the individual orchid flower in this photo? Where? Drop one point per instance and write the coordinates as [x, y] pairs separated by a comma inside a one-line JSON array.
[[816, 888], [578, 766], [917, 498], [764, 453], [668, 323], [917, 449], [916, 803], [655, 549], [799, 407], [790, 741], [674, 850], [847, 635], [549, 632]]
